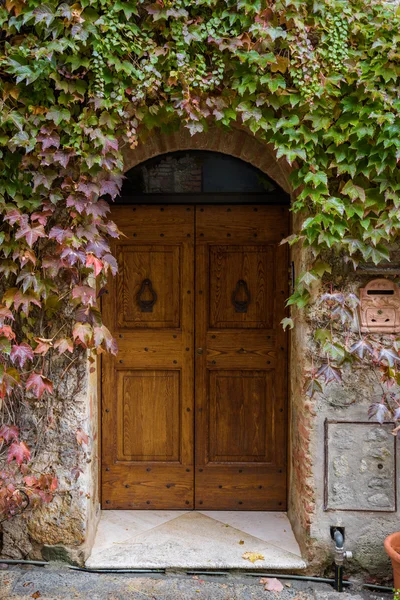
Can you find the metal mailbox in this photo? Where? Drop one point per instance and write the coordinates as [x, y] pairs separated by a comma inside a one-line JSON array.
[[380, 307]]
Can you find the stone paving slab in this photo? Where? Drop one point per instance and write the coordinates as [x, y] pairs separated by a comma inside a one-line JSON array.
[[195, 540], [60, 583]]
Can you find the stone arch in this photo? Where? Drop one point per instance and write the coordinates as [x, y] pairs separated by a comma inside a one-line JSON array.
[[235, 142]]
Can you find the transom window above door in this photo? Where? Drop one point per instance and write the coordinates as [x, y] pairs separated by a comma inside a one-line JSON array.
[[196, 175]]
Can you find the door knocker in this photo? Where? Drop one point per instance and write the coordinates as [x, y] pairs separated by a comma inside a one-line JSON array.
[[241, 289], [146, 289]]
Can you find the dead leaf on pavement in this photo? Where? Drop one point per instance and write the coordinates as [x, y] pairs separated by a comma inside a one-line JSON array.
[[271, 584], [241, 542], [36, 595], [252, 556]]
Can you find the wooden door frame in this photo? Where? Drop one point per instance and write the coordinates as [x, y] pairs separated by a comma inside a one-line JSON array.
[[280, 199]]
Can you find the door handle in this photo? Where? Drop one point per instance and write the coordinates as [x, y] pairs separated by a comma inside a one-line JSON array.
[[146, 290], [241, 289]]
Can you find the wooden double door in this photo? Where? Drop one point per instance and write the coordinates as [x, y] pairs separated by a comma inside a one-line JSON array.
[[194, 404]]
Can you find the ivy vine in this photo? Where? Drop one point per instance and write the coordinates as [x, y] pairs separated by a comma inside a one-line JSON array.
[[317, 79]]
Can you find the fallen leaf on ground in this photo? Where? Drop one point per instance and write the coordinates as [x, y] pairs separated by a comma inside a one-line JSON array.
[[241, 542], [289, 585], [252, 556], [36, 595], [271, 584]]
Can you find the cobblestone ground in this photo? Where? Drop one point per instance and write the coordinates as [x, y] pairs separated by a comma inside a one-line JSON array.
[[60, 583]]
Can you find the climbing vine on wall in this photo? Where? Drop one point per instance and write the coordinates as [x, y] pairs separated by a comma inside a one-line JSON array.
[[79, 80]]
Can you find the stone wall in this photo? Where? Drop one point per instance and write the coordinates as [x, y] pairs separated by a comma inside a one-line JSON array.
[[354, 460], [63, 529]]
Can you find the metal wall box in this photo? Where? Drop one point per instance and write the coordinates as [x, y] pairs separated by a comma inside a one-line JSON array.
[[380, 307]]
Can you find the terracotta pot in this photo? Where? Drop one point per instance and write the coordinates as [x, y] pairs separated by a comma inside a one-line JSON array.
[[392, 547]]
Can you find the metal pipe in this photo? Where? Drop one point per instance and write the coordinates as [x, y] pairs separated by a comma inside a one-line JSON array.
[[339, 539], [39, 563]]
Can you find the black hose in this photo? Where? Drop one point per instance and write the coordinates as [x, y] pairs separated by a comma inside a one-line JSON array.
[[338, 578], [38, 563]]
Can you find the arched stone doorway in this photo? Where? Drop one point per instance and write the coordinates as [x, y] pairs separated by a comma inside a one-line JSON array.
[[242, 145]]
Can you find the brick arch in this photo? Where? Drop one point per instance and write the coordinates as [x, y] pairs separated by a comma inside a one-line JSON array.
[[235, 142]]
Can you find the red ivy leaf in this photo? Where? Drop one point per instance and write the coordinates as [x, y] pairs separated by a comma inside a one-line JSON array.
[[82, 332], [75, 472], [98, 247], [9, 433], [97, 209], [31, 234], [21, 353], [39, 384], [389, 356], [85, 294], [95, 263], [30, 480], [25, 300], [7, 332], [18, 451], [49, 140], [102, 334], [109, 187], [41, 217], [13, 216], [43, 346], [59, 234], [82, 437], [64, 344], [111, 262], [380, 412], [329, 373], [5, 313], [361, 348], [312, 386], [62, 157]]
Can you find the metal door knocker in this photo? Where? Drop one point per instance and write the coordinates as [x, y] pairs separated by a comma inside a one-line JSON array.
[[241, 289], [146, 290]]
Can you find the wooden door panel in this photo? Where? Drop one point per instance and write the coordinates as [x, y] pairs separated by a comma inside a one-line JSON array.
[[147, 390], [148, 402], [241, 416], [257, 350], [148, 273], [241, 388], [218, 488], [232, 268]]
